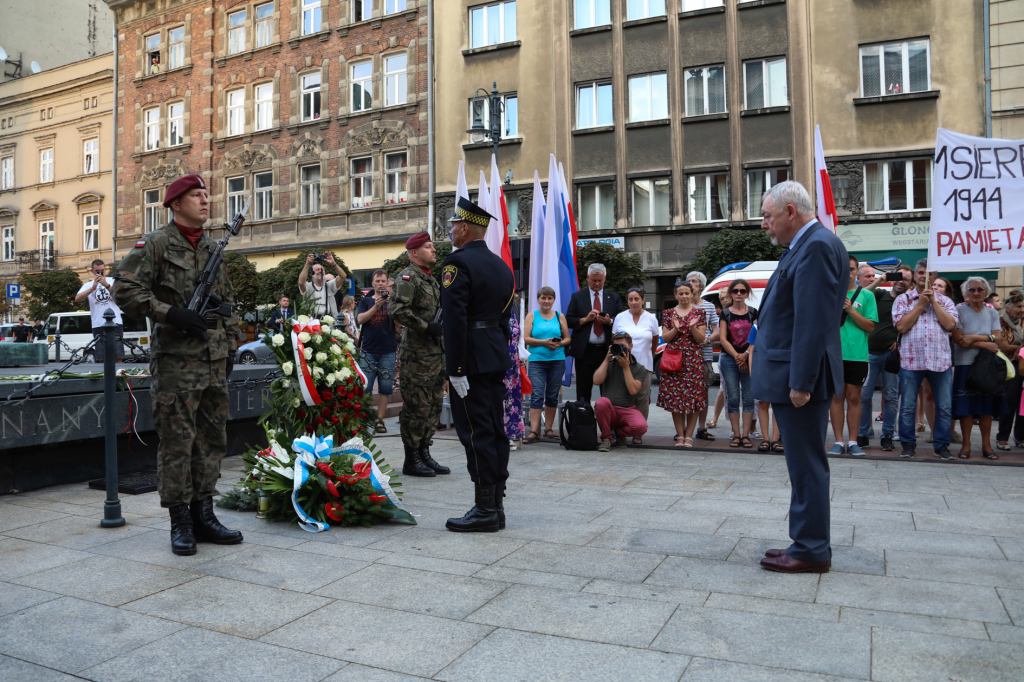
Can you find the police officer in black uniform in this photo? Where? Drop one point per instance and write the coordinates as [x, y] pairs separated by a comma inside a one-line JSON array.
[[476, 297]]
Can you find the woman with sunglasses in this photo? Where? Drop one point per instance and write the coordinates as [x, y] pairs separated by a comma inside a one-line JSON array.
[[643, 329], [734, 326], [684, 393]]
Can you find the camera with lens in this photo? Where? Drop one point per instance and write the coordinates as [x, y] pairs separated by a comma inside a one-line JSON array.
[[894, 276], [384, 294], [619, 349]]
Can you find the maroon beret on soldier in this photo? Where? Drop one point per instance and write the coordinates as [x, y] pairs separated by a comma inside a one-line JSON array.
[[182, 185], [417, 240]]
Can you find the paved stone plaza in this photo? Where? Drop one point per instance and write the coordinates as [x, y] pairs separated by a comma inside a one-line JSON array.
[[636, 564]]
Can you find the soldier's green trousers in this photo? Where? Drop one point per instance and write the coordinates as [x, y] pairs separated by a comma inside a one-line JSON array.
[[190, 412], [422, 386]]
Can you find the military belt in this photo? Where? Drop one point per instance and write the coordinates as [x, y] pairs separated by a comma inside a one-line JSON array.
[[483, 324]]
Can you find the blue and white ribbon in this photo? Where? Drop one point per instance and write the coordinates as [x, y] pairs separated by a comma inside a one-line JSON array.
[[307, 450], [380, 482]]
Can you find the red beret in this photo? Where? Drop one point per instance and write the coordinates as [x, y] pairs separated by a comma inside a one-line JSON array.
[[180, 186], [417, 240]]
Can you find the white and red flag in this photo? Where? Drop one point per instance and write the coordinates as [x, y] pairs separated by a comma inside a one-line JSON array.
[[823, 186]]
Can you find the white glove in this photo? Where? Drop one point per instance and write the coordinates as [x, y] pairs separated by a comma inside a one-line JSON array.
[[460, 384]]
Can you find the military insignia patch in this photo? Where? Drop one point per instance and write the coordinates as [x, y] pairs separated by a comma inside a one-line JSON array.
[[405, 277], [448, 275], [139, 244]]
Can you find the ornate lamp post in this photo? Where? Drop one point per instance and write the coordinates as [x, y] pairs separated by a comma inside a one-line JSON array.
[[478, 132]]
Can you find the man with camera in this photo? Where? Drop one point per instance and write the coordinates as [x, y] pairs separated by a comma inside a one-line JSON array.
[[621, 378], [377, 340], [97, 290], [320, 291]]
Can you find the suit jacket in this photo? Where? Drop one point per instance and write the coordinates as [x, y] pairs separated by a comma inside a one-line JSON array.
[[580, 305], [275, 319], [476, 286], [798, 345]]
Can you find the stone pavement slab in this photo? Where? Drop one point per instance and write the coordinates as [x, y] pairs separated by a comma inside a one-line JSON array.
[[667, 542], [711, 670], [76, 532], [154, 548], [280, 568], [13, 669], [583, 561], [483, 548], [844, 559], [107, 580], [21, 557], [17, 598], [899, 656], [354, 672], [733, 578]]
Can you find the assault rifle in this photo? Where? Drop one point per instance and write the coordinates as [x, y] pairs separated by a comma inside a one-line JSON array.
[[204, 301]]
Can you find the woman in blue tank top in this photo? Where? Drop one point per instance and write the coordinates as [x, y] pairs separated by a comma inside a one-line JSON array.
[[546, 334]]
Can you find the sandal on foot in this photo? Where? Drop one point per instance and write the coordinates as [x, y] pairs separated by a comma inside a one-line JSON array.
[[531, 438], [680, 442], [990, 455], [764, 446], [736, 442], [712, 423], [746, 442], [550, 435], [964, 454], [688, 443], [637, 440], [379, 426], [1004, 448], [777, 446], [704, 435]]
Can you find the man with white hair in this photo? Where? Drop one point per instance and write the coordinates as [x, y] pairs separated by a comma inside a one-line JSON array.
[[798, 364], [698, 280], [590, 315]]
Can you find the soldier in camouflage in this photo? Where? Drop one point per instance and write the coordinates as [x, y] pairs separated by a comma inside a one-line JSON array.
[[414, 304], [189, 391]]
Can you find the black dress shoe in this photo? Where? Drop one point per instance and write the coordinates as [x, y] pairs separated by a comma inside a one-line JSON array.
[[431, 462], [482, 518], [208, 528], [499, 504], [414, 466], [787, 564], [183, 541]]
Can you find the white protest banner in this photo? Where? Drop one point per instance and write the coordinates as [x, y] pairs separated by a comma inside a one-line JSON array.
[[977, 203]]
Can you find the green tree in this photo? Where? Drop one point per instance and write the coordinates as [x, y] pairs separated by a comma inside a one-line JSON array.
[[245, 281], [283, 280], [395, 265], [733, 246], [624, 271], [52, 291]]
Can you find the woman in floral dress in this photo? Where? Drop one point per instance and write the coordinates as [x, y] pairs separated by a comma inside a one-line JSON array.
[[513, 388], [684, 393]]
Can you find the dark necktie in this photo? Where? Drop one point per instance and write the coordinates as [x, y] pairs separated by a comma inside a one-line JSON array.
[[598, 325]]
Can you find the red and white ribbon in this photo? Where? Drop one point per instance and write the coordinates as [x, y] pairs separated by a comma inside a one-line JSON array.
[[304, 376]]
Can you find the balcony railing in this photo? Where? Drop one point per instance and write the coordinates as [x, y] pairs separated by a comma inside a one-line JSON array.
[[39, 259]]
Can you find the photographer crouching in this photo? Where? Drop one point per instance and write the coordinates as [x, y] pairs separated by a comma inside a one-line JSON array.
[[622, 378]]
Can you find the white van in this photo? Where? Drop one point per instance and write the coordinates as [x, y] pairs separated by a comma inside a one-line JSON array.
[[759, 272], [76, 332]]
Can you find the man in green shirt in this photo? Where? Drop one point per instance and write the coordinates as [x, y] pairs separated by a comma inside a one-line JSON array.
[[859, 316]]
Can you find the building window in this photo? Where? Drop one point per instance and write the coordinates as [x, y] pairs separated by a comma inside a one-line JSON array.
[[395, 88], [895, 68], [509, 115], [176, 45], [264, 24], [92, 156], [152, 124], [7, 172], [152, 207], [597, 207], [758, 182], [362, 10], [765, 84], [650, 202], [691, 5], [46, 165], [648, 97], [311, 97], [310, 16], [94, 100], [396, 178], [264, 199], [392, 6], [86, 106], [264, 106], [92, 232], [709, 197], [46, 241], [236, 112], [236, 196], [153, 54], [362, 182], [8, 236], [904, 185], [492, 24], [512, 204], [309, 178], [594, 105], [236, 32], [176, 124], [642, 9], [362, 86], [590, 13], [705, 91]]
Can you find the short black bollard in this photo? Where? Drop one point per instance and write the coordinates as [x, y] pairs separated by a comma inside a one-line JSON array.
[[112, 506], [56, 341]]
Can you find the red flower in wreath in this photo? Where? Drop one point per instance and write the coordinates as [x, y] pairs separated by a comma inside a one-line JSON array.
[[346, 404], [362, 469], [319, 421], [378, 498], [325, 413], [310, 429], [332, 489], [350, 480], [326, 468], [335, 421], [334, 510], [326, 395], [302, 414]]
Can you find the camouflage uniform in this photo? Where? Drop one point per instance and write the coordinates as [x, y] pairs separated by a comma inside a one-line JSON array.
[[190, 391], [416, 299]]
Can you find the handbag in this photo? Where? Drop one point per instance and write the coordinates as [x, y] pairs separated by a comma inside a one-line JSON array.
[[892, 360], [671, 361], [709, 373], [524, 380], [987, 373], [1010, 371]]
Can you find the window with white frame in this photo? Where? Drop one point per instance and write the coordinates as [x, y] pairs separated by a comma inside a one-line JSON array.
[[176, 48], [236, 112], [310, 16], [362, 86], [642, 9], [596, 207], [691, 5], [392, 6], [509, 115], [311, 96], [46, 165], [362, 10], [264, 198], [895, 68], [8, 245], [758, 183], [152, 206], [594, 105], [236, 196], [650, 202], [264, 24], [309, 189], [176, 124], [7, 172], [46, 237], [899, 185], [92, 156], [236, 32], [709, 197], [492, 24], [590, 13], [152, 125], [648, 97], [92, 232], [395, 88], [396, 178], [264, 106], [705, 90], [152, 54], [765, 84], [362, 182]]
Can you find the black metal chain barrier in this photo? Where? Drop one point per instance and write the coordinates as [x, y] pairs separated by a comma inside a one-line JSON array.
[[54, 375], [268, 378]]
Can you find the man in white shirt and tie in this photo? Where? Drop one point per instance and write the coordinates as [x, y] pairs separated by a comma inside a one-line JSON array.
[[590, 315]]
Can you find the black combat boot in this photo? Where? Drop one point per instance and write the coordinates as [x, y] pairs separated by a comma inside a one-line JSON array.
[[499, 504], [208, 528], [482, 518], [183, 541], [414, 466], [431, 462]]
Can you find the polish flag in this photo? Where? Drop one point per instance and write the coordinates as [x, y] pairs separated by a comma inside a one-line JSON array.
[[496, 236], [826, 201]]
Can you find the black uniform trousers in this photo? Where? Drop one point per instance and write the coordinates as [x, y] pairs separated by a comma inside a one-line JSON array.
[[480, 423], [592, 358]]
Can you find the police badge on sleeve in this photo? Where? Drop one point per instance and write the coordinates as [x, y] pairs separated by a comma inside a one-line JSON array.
[[448, 275]]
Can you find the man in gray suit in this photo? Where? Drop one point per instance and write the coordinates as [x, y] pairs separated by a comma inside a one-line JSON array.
[[798, 364]]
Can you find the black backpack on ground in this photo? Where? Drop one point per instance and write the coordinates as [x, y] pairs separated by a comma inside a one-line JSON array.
[[577, 426]]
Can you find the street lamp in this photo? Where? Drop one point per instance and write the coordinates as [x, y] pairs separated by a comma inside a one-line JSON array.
[[480, 131]]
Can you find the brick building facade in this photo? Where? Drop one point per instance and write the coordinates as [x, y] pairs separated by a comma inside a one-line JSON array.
[[317, 106]]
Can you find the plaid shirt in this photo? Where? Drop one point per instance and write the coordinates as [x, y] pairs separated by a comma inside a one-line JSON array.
[[926, 345]]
